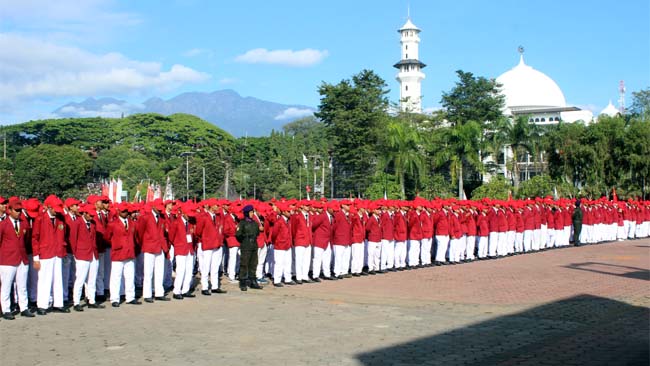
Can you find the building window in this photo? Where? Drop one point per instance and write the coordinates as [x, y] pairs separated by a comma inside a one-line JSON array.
[[531, 120], [543, 119], [407, 56], [406, 47], [406, 87], [536, 119]]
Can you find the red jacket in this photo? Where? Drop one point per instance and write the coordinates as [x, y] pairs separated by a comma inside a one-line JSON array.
[[387, 226], [48, 240], [321, 230], [470, 222], [483, 228], [300, 230], [151, 234], [229, 229], [441, 224], [83, 240], [341, 231], [373, 231], [426, 219], [281, 234], [414, 226], [455, 231], [178, 236], [358, 227], [209, 231], [399, 226], [101, 224], [12, 245], [122, 240], [261, 237]]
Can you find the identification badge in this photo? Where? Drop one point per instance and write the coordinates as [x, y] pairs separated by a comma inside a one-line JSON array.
[[189, 238]]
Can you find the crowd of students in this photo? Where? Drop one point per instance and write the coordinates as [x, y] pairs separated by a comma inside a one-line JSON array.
[[53, 253]]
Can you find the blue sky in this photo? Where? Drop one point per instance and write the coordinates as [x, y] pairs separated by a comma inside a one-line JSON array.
[[54, 52]]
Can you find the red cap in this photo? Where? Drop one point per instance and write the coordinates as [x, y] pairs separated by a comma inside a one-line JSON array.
[[71, 202], [15, 203]]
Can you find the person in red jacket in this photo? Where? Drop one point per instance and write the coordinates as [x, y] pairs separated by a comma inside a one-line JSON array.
[[70, 208], [482, 232], [31, 210], [121, 235], [13, 260], [456, 246], [83, 242], [181, 235], [322, 233], [441, 229], [48, 244], [302, 238], [281, 239], [387, 259], [151, 236], [357, 237], [414, 230], [209, 232], [341, 240], [426, 218], [470, 240], [400, 231], [373, 234]]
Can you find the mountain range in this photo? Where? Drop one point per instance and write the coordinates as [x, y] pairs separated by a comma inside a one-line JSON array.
[[226, 109]]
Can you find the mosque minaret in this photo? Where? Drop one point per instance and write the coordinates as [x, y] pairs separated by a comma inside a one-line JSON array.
[[410, 73]]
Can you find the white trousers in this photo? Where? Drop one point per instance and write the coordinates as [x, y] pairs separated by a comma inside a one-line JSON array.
[[537, 238], [510, 242], [261, 261], [493, 244], [528, 240], [482, 243], [303, 259], [387, 259], [233, 262], [322, 262], [455, 247], [356, 252], [470, 245], [122, 270], [425, 251], [519, 242], [400, 254], [442, 245], [414, 247], [153, 272], [282, 266], [341, 259], [85, 274], [374, 256], [7, 276], [184, 269], [209, 266], [50, 281], [502, 243]]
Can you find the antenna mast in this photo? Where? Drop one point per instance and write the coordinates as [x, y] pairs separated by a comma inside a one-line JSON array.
[[621, 97]]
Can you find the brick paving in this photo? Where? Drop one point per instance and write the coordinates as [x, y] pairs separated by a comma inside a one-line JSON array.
[[572, 306]]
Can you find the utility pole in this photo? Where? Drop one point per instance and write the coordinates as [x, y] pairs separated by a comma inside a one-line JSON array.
[[203, 183], [226, 188], [187, 154]]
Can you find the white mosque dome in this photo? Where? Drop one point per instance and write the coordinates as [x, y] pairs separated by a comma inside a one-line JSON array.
[[523, 86], [610, 110]]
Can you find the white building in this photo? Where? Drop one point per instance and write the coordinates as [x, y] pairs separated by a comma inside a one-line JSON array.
[[531, 92], [410, 73]]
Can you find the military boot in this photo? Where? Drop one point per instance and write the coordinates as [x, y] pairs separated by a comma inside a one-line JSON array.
[[255, 285]]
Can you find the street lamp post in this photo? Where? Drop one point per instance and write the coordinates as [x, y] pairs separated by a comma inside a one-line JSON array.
[[187, 154]]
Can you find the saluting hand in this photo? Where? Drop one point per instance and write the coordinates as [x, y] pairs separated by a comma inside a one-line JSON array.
[[37, 265]]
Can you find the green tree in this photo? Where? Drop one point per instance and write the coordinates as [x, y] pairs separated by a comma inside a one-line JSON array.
[[49, 169], [473, 99], [537, 186], [401, 149], [461, 146], [497, 188], [641, 104], [519, 134], [353, 111]]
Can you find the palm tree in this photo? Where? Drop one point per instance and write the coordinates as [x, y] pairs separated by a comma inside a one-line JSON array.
[[402, 150], [462, 143], [519, 135]]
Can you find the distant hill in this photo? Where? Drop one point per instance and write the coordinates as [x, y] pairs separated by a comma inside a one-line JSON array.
[[224, 108]]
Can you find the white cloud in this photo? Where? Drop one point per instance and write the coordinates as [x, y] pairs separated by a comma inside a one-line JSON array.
[[33, 69], [302, 58], [294, 113], [227, 81], [194, 52], [107, 110]]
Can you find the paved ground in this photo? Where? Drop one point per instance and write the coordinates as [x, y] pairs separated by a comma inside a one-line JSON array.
[[573, 306]]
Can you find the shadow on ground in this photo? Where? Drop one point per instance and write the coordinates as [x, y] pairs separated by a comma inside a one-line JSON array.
[[612, 269], [582, 330]]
